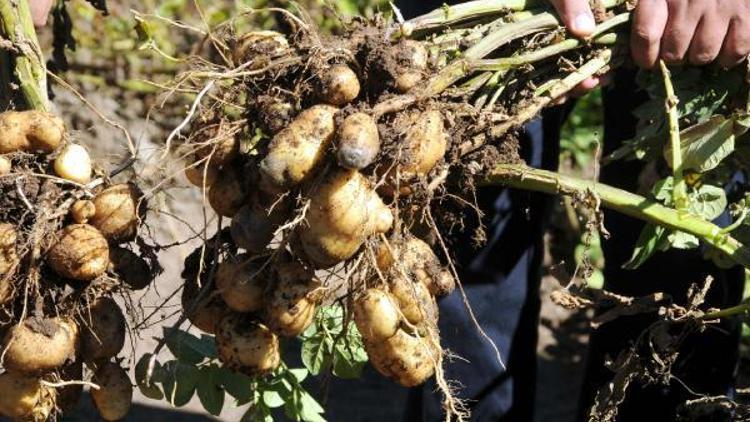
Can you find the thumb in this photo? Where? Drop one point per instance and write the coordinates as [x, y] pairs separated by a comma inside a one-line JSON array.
[[577, 16]]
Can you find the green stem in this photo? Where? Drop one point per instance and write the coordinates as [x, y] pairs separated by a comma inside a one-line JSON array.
[[741, 309], [679, 192], [448, 15], [17, 26], [636, 206]]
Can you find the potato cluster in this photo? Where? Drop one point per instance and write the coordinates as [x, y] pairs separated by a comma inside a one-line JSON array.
[[76, 239], [322, 185]]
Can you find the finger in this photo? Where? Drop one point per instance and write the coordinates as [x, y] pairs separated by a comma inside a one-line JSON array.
[[708, 39], [577, 16], [737, 43], [678, 34], [649, 21], [39, 11], [585, 87]]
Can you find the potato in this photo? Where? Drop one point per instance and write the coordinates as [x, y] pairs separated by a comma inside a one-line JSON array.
[[407, 359], [133, 270], [291, 302], [338, 85], [358, 141], [417, 261], [25, 398], [376, 315], [5, 166], [241, 284], [67, 397], [199, 173], [218, 145], [274, 114], [229, 193], [30, 131], [80, 253], [82, 211], [8, 256], [414, 300], [206, 314], [118, 210], [260, 47], [255, 224], [74, 163], [39, 345], [297, 150], [344, 211], [247, 346], [115, 394], [102, 330], [411, 56]]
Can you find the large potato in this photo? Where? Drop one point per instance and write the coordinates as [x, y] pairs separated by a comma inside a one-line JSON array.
[[415, 259], [344, 211], [115, 394], [291, 302], [80, 253], [338, 85], [247, 346], [102, 330], [39, 345], [241, 284], [295, 151], [358, 141], [407, 359], [25, 398], [229, 193], [117, 212], [30, 131], [376, 315]]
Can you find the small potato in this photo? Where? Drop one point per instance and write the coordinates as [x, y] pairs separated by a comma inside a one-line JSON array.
[[82, 211], [115, 394], [8, 256], [68, 397], [358, 141], [39, 345], [344, 211], [25, 398], [5, 166], [229, 193], [376, 315], [247, 346], [74, 164], [259, 47], [80, 253], [133, 270], [417, 261], [425, 142], [102, 330], [414, 300], [412, 58], [205, 314], [407, 359], [219, 146], [30, 131], [274, 114], [118, 210], [291, 302], [296, 151], [241, 284], [201, 173], [254, 225], [338, 85]]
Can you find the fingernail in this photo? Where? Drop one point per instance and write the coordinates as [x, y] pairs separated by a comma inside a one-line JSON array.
[[584, 23]]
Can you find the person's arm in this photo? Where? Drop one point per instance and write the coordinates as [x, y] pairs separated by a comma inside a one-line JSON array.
[[39, 11]]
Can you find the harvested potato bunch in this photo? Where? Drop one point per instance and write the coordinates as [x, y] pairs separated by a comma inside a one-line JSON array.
[[74, 163], [247, 346], [241, 284], [256, 49], [80, 253], [338, 85], [115, 394], [377, 315], [416, 260], [102, 330], [25, 398], [358, 141], [297, 150], [132, 269], [292, 300], [38, 345], [8, 257], [30, 131], [344, 211], [412, 58], [229, 193], [117, 212]]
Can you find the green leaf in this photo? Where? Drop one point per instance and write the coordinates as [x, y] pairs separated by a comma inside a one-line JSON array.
[[273, 399], [148, 389], [663, 190], [652, 239], [179, 382], [708, 202], [317, 353], [309, 408], [209, 389], [349, 360], [682, 240], [237, 385], [189, 348], [705, 145], [299, 374]]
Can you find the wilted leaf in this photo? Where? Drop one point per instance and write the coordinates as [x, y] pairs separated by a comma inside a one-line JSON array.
[[705, 145], [708, 202], [682, 240]]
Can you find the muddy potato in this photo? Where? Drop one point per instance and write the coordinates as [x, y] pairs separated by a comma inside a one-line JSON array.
[[74, 163], [115, 394], [344, 211], [417, 260], [130, 268], [39, 345], [414, 300], [407, 359], [241, 284], [259, 47], [218, 145], [358, 141], [200, 173], [292, 300], [229, 193], [67, 397], [25, 398], [8, 256], [5, 166], [247, 346], [254, 225], [82, 211], [376, 315], [30, 131], [118, 209], [102, 330], [338, 85], [411, 56], [294, 152], [274, 114], [80, 253], [206, 313]]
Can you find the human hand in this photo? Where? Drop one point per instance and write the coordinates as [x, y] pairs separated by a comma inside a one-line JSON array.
[[696, 31], [39, 11]]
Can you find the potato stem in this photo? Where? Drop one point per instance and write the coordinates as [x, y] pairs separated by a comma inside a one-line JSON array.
[[679, 190]]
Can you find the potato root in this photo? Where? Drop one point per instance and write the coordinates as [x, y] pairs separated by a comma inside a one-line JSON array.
[[80, 253], [118, 211], [344, 210], [241, 284], [115, 394], [338, 85], [292, 300], [295, 151], [38, 345], [376, 315], [74, 163], [30, 131], [358, 141], [131, 269], [247, 346], [102, 330], [82, 211], [407, 359], [229, 193], [25, 398]]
